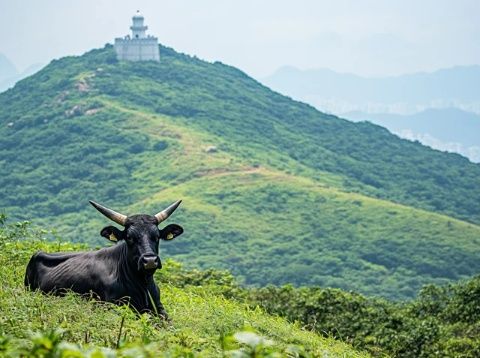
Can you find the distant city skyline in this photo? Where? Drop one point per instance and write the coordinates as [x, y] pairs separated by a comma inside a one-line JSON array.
[[368, 38]]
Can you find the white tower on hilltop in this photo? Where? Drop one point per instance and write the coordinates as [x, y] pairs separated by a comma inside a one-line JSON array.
[[138, 29], [138, 47]]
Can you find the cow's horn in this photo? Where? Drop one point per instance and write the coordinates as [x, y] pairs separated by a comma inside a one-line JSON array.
[[120, 219], [164, 214]]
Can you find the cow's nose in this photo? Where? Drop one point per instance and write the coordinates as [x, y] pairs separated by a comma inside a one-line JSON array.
[[151, 262]]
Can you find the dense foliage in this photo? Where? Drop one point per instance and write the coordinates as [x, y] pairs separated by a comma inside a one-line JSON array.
[[203, 322], [442, 321], [285, 193]]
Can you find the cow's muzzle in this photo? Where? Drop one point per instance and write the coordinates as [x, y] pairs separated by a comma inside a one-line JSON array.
[[150, 262]]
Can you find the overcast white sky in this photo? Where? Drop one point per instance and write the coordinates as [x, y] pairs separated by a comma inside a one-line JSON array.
[[367, 37]]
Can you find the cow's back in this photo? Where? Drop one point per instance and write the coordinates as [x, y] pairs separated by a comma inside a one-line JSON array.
[[39, 267]]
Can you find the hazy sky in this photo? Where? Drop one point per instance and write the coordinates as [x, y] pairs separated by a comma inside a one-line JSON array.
[[367, 37]]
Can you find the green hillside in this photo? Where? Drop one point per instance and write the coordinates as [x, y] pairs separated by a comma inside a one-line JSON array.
[[204, 323], [273, 190]]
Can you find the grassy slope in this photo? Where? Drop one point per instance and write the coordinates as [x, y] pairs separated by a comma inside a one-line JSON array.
[[344, 243], [276, 198], [200, 317]]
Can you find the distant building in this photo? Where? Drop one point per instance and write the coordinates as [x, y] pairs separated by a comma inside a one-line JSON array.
[[138, 46]]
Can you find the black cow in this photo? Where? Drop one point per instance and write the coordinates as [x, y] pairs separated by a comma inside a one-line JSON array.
[[120, 273]]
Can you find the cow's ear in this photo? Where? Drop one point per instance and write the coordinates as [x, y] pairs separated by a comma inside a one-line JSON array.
[[112, 233], [171, 231]]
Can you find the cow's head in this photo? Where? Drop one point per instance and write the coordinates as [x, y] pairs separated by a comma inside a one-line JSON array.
[[141, 234]]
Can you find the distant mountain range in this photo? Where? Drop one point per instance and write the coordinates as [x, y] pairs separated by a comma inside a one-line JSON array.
[[9, 75], [448, 129], [338, 93]]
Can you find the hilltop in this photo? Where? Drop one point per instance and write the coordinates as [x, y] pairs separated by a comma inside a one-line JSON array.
[[273, 189]]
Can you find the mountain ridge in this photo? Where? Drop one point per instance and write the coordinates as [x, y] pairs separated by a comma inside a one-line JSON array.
[[344, 92]]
